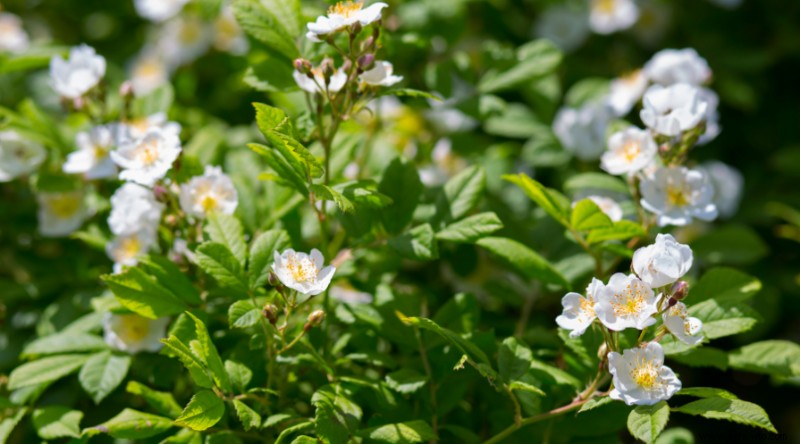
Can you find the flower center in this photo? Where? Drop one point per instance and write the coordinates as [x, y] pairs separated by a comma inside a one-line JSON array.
[[208, 203], [189, 33], [100, 152], [631, 78], [133, 328], [676, 195], [302, 270], [630, 302], [149, 68], [140, 125], [587, 307], [605, 6], [64, 206], [631, 150], [345, 9], [645, 375], [148, 152], [128, 248]]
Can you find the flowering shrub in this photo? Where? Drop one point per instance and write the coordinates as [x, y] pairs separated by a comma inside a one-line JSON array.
[[359, 260]]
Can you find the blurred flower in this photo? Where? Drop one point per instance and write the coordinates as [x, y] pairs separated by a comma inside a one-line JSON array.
[[686, 328], [673, 109], [445, 164], [629, 151], [126, 250], [213, 191], [582, 131], [318, 84], [61, 213], [350, 295], [678, 194], [640, 376], [607, 16], [302, 272], [578, 312], [158, 10], [626, 302], [672, 66], [133, 333], [228, 35], [566, 27], [148, 159], [92, 158], [134, 209], [653, 23], [663, 262], [711, 115], [148, 72], [380, 75], [183, 40], [625, 92], [607, 205], [18, 156], [728, 184], [83, 70], [342, 15], [136, 129], [13, 37]]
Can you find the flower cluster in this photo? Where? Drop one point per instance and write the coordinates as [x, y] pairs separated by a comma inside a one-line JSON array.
[[638, 300]]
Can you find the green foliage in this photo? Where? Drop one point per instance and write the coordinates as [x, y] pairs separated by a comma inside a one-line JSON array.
[[647, 422], [131, 424], [102, 373], [734, 410], [523, 260], [57, 422], [203, 411]]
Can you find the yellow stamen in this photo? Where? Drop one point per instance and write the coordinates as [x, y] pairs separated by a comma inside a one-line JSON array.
[[128, 248], [605, 6], [631, 150], [302, 270], [148, 152], [65, 205], [133, 327], [629, 302], [345, 9], [645, 374], [676, 195], [208, 203]]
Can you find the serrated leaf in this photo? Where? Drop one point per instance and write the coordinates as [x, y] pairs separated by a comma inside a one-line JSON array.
[[401, 183], [131, 424], [203, 411], [734, 410], [197, 369], [260, 23], [102, 373], [286, 174], [724, 317], [243, 314], [64, 343], [470, 229], [586, 215], [706, 392], [248, 417], [406, 380], [337, 416], [461, 193], [400, 433], [171, 277], [534, 59], [724, 284], [595, 182], [774, 357], [647, 422], [239, 374], [226, 229], [594, 403], [513, 359], [164, 403], [552, 202], [419, 243], [323, 192], [208, 354], [218, 261], [141, 293], [525, 387], [261, 255], [55, 422], [621, 230], [45, 370], [525, 261]]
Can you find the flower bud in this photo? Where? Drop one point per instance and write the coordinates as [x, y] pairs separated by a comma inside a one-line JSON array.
[[78, 103], [366, 61], [671, 302], [602, 351], [160, 192], [327, 68], [314, 319], [302, 65], [679, 290], [347, 65], [126, 89], [356, 28], [273, 280], [368, 44], [171, 220], [270, 312]]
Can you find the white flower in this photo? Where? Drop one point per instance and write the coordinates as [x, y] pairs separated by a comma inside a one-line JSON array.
[[672, 66], [350, 295], [663, 262], [578, 312], [126, 250], [608, 206], [728, 183], [626, 302], [303, 272], [566, 27], [678, 194], [13, 37], [582, 131], [92, 158], [183, 40], [317, 84], [133, 333], [134, 209], [625, 92], [686, 328], [711, 117], [342, 15], [148, 159], [654, 20], [61, 213], [380, 75], [228, 35], [213, 191], [640, 376], [629, 151], [148, 72], [18, 156], [673, 109], [607, 16], [136, 129], [158, 10], [72, 78]]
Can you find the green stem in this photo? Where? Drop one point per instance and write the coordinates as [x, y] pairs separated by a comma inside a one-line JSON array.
[[431, 384], [534, 419]]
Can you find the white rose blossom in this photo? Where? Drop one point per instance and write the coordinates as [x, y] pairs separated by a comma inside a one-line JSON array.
[[126, 250], [608, 16], [61, 213], [563, 25], [711, 117], [75, 76], [303, 272], [92, 158], [625, 91], [728, 184], [640, 376], [13, 37], [213, 191], [673, 109], [608, 206], [626, 302], [158, 10], [317, 84], [228, 35], [148, 72], [673, 66], [349, 295], [148, 159], [183, 40], [134, 209], [18, 156], [663, 262], [686, 328], [582, 131], [342, 15], [133, 333], [578, 312], [137, 128], [629, 151], [381, 74], [677, 195]]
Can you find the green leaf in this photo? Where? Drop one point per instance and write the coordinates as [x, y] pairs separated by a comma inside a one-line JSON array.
[[8, 423], [287, 175], [45, 370], [288, 432], [400, 433], [525, 387], [586, 91], [295, 154], [406, 381], [775, 357], [337, 417], [525, 261], [724, 284], [461, 193], [141, 293], [55, 422], [207, 353], [408, 92], [131, 424], [697, 356], [595, 182], [594, 403], [64, 343], [730, 244], [646, 422], [260, 23], [164, 403], [586, 215], [724, 317], [203, 411], [269, 118], [419, 243], [288, 13], [552, 202], [226, 229], [102, 373], [239, 374], [197, 369], [249, 418], [364, 194], [157, 101], [734, 410], [676, 435], [513, 359], [243, 314], [218, 261], [535, 59], [261, 255], [706, 392], [323, 192], [621, 230], [402, 184], [171, 277], [470, 229]]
